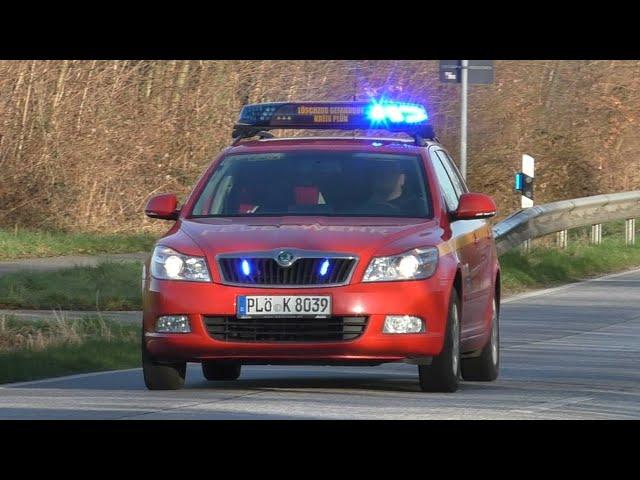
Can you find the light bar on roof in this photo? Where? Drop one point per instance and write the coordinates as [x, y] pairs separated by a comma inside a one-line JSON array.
[[393, 116]]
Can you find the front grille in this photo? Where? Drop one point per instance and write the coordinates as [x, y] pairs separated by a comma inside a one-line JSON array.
[[278, 329], [303, 272]]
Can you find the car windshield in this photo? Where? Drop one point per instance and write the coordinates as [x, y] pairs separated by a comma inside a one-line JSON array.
[[336, 183]]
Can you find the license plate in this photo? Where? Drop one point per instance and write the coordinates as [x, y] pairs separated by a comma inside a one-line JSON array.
[[284, 305]]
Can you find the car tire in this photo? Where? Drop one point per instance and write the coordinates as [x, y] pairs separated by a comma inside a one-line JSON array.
[[221, 370], [443, 374], [485, 367], [161, 376]]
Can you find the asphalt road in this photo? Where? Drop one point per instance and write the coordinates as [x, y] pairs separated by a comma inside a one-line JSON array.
[[571, 352]]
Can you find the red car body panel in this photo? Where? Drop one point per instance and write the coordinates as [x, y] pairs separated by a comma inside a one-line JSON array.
[[467, 251]]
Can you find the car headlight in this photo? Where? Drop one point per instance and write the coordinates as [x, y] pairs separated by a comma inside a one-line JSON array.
[[413, 265], [167, 264]]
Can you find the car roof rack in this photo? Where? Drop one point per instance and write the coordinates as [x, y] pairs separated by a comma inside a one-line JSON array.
[[243, 134]]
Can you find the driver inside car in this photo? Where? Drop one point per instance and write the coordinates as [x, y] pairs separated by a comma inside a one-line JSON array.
[[388, 188], [388, 184]]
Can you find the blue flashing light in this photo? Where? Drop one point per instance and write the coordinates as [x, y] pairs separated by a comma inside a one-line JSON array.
[[324, 267], [396, 113], [377, 113], [246, 268]]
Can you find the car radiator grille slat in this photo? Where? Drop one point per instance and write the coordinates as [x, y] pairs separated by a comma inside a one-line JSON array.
[[278, 329]]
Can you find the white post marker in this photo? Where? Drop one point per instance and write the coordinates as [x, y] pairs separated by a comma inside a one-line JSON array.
[[464, 80], [561, 238], [528, 168], [630, 231], [596, 234]]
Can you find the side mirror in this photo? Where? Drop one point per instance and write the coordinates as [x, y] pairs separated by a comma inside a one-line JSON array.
[[164, 207], [474, 206]]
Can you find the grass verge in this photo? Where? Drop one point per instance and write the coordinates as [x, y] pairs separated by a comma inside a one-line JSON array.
[[31, 244], [548, 267], [109, 286], [31, 350]]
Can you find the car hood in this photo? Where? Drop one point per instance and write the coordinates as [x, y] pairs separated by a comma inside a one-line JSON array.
[[345, 235]]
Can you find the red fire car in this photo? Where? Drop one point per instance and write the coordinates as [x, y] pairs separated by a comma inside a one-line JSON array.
[[325, 251]]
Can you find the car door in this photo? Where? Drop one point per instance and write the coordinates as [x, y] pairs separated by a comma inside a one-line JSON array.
[[461, 232], [479, 253]]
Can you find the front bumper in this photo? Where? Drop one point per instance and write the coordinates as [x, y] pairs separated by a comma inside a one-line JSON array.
[[427, 299]]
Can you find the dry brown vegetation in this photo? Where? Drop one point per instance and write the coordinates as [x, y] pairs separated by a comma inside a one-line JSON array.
[[84, 143], [50, 347]]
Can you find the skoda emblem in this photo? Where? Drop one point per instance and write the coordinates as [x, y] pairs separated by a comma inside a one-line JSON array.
[[284, 258]]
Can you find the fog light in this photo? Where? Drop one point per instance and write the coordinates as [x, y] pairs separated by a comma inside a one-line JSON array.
[[403, 324], [173, 324]]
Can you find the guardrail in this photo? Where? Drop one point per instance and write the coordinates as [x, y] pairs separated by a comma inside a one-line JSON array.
[[559, 216]]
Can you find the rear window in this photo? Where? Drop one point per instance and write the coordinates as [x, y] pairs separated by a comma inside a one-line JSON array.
[[316, 183]]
